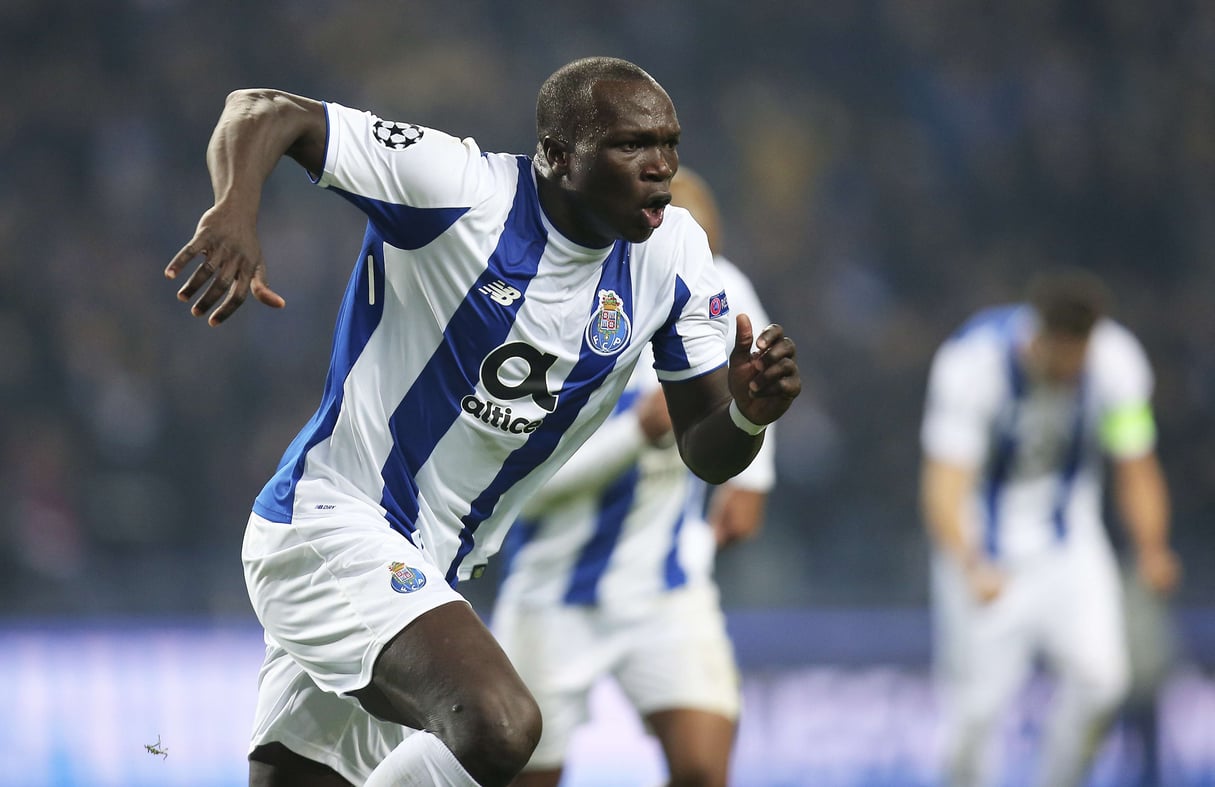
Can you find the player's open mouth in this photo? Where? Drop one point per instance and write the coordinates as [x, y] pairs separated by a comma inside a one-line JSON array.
[[654, 209]]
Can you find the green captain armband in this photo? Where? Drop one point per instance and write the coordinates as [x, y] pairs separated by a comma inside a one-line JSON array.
[[1129, 430]]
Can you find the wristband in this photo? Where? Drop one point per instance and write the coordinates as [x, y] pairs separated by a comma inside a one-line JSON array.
[[744, 423]]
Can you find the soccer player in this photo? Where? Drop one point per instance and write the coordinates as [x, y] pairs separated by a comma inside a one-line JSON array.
[[1022, 403], [497, 307], [610, 573]]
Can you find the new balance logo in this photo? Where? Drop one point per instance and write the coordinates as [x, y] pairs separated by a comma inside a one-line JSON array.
[[501, 292]]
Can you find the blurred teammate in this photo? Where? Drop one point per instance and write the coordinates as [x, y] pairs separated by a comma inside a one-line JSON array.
[[610, 573], [1022, 403], [496, 310]]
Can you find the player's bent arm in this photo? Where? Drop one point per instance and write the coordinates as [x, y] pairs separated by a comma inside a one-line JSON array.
[[736, 514], [712, 445], [1143, 501], [719, 417], [258, 127], [255, 130], [945, 488]]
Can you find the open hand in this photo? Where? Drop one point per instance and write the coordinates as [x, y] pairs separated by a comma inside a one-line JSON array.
[[232, 262]]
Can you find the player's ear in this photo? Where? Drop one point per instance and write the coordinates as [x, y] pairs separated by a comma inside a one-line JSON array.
[[556, 155]]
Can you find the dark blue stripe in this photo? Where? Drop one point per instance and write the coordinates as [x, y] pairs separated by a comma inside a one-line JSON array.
[[404, 226], [673, 574], [589, 372], [669, 352], [478, 325], [1005, 450], [614, 505], [1071, 465], [356, 321]]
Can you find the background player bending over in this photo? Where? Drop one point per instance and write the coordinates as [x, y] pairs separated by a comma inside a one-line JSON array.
[[610, 573], [1022, 403], [497, 307]]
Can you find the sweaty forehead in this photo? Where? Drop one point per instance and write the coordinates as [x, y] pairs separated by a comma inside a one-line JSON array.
[[633, 103]]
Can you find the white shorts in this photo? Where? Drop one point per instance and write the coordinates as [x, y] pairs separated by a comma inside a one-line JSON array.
[[330, 592], [670, 653], [1065, 605]]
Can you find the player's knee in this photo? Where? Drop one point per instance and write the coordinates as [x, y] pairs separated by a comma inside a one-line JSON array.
[[494, 738]]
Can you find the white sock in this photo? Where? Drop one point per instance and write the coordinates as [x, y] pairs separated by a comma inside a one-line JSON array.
[[422, 760]]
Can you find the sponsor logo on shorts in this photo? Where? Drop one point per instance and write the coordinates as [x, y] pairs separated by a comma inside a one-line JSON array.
[[406, 579]]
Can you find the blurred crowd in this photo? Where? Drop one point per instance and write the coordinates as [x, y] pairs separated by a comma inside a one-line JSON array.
[[885, 168]]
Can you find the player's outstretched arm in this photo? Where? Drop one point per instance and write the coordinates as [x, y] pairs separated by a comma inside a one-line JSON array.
[[715, 443], [255, 130], [736, 514]]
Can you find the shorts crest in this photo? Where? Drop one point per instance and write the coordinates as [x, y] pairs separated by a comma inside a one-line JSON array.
[[406, 579]]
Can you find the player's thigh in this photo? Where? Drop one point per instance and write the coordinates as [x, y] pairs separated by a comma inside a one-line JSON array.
[[679, 656], [333, 590], [274, 765], [983, 652], [443, 669], [299, 727], [561, 652], [1086, 636]]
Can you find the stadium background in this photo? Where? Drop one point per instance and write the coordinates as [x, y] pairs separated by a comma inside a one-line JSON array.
[[885, 167]]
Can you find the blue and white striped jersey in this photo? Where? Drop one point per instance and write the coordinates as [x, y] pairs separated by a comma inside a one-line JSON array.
[[622, 520], [476, 347], [1038, 447]]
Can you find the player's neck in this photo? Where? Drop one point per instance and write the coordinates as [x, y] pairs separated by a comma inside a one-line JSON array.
[[561, 208]]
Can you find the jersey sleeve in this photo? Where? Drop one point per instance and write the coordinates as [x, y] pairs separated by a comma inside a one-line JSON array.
[[692, 341], [963, 386], [375, 161], [1125, 383]]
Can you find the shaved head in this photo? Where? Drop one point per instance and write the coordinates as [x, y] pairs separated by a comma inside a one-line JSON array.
[[565, 107]]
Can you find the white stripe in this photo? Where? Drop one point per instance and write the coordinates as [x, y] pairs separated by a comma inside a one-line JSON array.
[[409, 331]]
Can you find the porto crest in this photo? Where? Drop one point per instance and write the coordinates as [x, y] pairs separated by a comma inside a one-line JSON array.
[[608, 331], [406, 579]]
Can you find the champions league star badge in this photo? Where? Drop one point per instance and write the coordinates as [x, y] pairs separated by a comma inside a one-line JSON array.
[[608, 331], [394, 135], [406, 579]]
